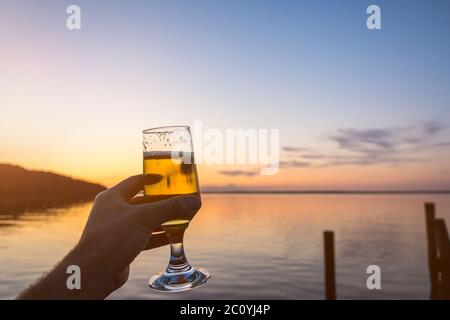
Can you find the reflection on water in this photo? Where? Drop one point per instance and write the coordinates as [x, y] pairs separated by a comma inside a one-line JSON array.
[[13, 214], [255, 246]]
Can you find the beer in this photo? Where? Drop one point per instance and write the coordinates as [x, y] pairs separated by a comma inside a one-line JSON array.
[[169, 176]]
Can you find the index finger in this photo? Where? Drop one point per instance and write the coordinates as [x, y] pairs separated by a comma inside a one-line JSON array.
[[129, 187]]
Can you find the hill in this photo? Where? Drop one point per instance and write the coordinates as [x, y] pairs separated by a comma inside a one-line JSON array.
[[39, 188]]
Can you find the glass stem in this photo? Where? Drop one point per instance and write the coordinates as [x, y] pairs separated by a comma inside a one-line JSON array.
[[178, 261]]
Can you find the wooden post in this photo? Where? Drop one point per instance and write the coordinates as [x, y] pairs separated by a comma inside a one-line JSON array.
[[330, 277], [442, 265], [430, 218]]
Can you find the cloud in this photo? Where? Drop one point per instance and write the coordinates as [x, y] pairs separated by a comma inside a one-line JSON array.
[[294, 163], [390, 145], [236, 173], [365, 161], [395, 145], [386, 139], [296, 149]]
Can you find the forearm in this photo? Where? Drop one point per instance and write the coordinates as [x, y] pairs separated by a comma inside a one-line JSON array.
[[96, 280]]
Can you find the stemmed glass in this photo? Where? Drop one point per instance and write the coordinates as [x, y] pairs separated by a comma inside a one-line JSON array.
[[168, 154]]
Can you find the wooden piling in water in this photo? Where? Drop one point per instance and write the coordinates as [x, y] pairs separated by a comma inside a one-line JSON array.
[[430, 215], [330, 276], [438, 254]]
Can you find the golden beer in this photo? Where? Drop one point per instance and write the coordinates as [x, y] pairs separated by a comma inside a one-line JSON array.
[[169, 176]]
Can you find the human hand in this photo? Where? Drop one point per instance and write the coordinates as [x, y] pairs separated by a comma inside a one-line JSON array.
[[114, 235]]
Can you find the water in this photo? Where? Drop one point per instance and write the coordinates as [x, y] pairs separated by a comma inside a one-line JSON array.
[[255, 246]]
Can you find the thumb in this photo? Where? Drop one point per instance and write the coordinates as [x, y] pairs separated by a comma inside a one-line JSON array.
[[152, 215]]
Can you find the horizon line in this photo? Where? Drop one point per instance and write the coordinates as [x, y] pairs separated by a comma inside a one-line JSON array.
[[327, 191]]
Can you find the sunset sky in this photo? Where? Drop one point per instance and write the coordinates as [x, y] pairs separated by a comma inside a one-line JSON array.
[[356, 108]]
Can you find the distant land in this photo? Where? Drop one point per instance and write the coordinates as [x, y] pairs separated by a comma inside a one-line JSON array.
[[236, 189], [212, 191], [42, 189]]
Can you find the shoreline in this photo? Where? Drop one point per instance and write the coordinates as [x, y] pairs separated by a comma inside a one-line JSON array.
[[349, 192]]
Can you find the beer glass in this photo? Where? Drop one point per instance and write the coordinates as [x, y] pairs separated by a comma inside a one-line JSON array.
[[169, 156]]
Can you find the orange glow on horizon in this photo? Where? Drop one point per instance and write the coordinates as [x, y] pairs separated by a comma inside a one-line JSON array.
[[110, 170]]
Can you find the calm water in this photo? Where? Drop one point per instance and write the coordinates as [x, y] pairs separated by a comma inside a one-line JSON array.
[[255, 246]]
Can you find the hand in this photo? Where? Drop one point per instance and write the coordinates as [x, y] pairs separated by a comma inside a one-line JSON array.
[[115, 233]]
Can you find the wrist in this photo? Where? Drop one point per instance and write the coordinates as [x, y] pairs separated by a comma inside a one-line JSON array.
[[96, 279], [80, 275]]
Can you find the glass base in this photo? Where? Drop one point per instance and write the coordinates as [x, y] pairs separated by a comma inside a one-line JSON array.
[[179, 281]]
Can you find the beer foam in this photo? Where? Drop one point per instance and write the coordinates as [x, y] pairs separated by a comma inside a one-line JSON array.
[[168, 154]]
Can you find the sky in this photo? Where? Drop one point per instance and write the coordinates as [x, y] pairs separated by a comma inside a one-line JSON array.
[[355, 108]]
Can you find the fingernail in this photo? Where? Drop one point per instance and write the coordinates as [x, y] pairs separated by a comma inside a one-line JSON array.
[[152, 178]]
